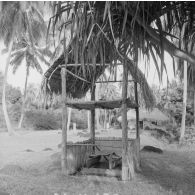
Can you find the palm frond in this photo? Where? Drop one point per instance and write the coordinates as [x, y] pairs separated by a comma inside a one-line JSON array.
[[17, 59]]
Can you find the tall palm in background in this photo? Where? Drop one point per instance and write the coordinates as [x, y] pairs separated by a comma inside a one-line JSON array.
[[17, 19], [185, 31], [32, 56], [191, 84]]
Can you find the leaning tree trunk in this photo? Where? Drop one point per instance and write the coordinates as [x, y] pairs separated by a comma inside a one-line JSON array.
[[24, 99], [7, 120], [184, 103]]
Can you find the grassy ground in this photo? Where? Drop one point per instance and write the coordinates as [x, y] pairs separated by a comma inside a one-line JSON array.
[[29, 165]]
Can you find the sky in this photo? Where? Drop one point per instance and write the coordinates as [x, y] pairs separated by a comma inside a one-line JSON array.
[[18, 79]]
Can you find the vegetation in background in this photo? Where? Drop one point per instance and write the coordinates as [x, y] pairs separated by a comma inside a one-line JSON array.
[[32, 55], [18, 19]]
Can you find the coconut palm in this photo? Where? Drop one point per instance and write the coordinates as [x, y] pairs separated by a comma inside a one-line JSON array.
[[191, 83], [16, 19], [32, 55], [186, 31]]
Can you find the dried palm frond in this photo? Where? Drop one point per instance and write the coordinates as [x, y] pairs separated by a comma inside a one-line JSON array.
[[104, 32]]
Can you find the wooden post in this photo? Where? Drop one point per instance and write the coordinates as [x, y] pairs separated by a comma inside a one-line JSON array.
[[137, 125], [92, 126], [97, 112], [183, 122], [64, 123], [127, 172]]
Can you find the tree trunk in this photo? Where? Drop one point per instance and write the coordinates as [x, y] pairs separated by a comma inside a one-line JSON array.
[[24, 98], [7, 120], [184, 103], [69, 118], [88, 120], [105, 119], [109, 118]]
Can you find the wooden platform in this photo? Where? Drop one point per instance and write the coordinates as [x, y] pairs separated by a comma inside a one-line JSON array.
[[112, 158], [91, 105]]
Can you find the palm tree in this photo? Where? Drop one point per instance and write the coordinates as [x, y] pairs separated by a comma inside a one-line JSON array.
[[32, 55], [17, 18], [191, 84]]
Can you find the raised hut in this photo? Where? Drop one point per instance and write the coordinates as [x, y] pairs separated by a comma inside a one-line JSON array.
[[75, 80], [102, 34]]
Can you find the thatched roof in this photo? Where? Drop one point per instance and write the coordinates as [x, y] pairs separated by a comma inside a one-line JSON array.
[[119, 30], [79, 80], [153, 115]]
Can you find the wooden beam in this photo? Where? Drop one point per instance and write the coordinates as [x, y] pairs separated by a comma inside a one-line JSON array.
[[107, 64], [124, 125], [92, 129], [64, 123], [127, 159], [113, 81], [103, 104], [137, 111], [137, 125]]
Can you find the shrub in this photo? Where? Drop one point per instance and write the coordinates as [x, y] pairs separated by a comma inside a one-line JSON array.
[[41, 120], [80, 118]]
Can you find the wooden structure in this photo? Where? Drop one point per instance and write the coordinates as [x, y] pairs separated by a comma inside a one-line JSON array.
[[70, 78], [124, 103]]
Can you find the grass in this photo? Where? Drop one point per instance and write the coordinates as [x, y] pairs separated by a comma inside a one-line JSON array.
[[38, 172]]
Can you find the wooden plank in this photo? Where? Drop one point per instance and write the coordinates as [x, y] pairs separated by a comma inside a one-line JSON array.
[[137, 126], [103, 104], [124, 124], [64, 124], [92, 130], [92, 160], [113, 81], [127, 167]]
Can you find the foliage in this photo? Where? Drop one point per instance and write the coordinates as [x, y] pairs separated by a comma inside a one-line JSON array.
[[17, 18], [37, 119], [13, 95], [13, 99], [32, 55], [170, 100], [115, 30], [41, 120]]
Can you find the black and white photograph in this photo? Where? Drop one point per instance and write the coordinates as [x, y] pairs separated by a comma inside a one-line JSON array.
[[97, 97]]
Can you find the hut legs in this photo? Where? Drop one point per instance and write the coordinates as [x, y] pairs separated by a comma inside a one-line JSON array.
[[127, 156], [92, 125], [64, 124], [137, 128]]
